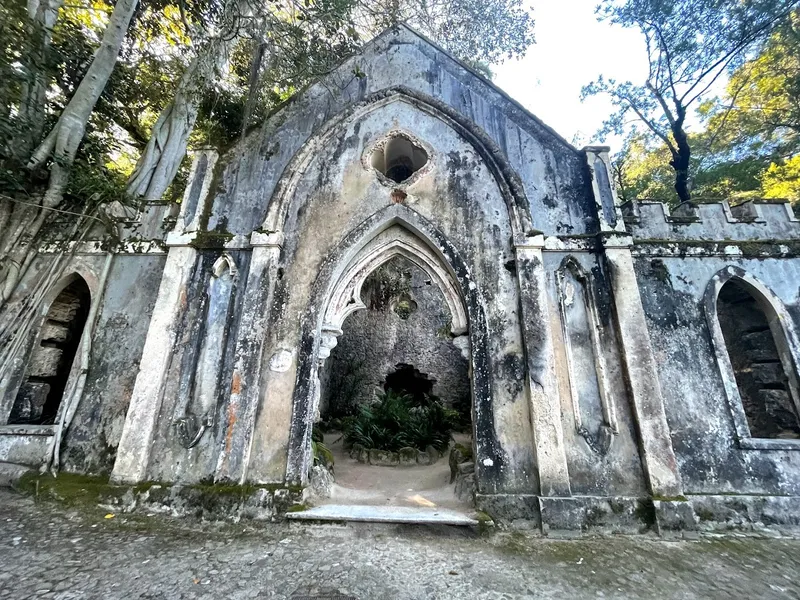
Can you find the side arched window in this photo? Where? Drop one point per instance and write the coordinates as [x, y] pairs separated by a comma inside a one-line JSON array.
[[762, 363], [47, 374]]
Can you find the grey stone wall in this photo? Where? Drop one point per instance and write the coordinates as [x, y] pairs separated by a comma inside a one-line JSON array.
[[91, 441], [613, 468], [551, 173], [711, 461]]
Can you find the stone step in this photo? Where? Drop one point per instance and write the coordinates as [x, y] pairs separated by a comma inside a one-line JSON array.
[[384, 514], [10, 473]]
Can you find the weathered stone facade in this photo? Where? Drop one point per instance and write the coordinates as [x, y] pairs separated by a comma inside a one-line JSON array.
[[602, 387]]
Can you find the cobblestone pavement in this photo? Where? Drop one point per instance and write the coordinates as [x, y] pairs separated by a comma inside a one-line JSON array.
[[50, 551]]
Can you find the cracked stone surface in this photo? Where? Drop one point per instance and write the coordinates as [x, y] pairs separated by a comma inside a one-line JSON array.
[[48, 550]]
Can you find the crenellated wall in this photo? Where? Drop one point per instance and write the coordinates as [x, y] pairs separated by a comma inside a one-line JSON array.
[[763, 221]]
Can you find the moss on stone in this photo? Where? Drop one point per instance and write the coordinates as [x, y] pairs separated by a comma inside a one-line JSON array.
[[70, 488], [211, 239]]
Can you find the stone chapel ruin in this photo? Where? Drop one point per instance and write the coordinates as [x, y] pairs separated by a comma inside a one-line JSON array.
[[415, 229]]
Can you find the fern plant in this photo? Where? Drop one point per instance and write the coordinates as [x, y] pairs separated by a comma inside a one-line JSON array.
[[395, 422]]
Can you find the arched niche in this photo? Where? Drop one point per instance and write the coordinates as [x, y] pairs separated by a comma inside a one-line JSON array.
[[393, 231], [757, 350], [197, 412], [47, 375], [594, 414]]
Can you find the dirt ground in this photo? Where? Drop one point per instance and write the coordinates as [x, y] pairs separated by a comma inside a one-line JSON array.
[[420, 485]]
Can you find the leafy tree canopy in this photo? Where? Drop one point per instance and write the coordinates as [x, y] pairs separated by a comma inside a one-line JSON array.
[[690, 45], [748, 141]]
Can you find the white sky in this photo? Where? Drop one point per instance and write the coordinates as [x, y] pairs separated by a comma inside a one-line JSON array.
[[571, 50]]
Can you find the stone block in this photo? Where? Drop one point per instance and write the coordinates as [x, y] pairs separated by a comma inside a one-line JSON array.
[[779, 408], [355, 451], [55, 332], [29, 403], [383, 458], [674, 516], [433, 455], [321, 482], [588, 513], [768, 373], [760, 346], [64, 311], [465, 487], [511, 508], [408, 456], [44, 362], [466, 468], [423, 458]]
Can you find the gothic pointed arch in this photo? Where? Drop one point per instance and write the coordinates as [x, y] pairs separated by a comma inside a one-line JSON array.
[[594, 414], [47, 375], [506, 178], [392, 231]]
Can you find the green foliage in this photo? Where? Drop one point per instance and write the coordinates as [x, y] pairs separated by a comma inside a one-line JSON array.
[[322, 455], [690, 45], [782, 180], [750, 138], [396, 422]]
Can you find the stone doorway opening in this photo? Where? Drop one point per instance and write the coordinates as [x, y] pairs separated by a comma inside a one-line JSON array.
[[395, 399], [39, 397]]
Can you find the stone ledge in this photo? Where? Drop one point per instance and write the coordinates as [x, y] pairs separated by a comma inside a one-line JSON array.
[[576, 515], [597, 514], [43, 430], [217, 502], [726, 512]]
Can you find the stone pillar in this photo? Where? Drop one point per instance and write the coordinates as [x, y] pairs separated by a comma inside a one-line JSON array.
[[133, 453], [246, 383], [658, 456], [548, 435], [605, 196]]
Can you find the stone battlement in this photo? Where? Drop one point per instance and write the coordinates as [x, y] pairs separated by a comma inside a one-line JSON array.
[[718, 221]]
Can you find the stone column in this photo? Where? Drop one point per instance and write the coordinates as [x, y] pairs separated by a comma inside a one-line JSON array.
[[548, 435], [133, 453], [246, 383], [658, 456]]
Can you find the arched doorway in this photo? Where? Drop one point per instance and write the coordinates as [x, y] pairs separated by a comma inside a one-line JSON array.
[[39, 397], [395, 400], [395, 231]]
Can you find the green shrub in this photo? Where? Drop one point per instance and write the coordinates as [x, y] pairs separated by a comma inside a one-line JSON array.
[[396, 422]]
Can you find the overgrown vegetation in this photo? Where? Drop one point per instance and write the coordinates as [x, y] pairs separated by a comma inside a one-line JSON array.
[[99, 101], [399, 421]]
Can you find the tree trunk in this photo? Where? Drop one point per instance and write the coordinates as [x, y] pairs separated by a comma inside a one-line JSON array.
[[63, 141], [42, 15], [161, 159], [681, 159]]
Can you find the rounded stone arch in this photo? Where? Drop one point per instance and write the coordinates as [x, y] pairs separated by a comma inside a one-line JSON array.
[[784, 335], [333, 296], [505, 176]]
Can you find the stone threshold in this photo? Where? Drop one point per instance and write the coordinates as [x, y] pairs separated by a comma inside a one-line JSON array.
[[384, 514], [43, 430]]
